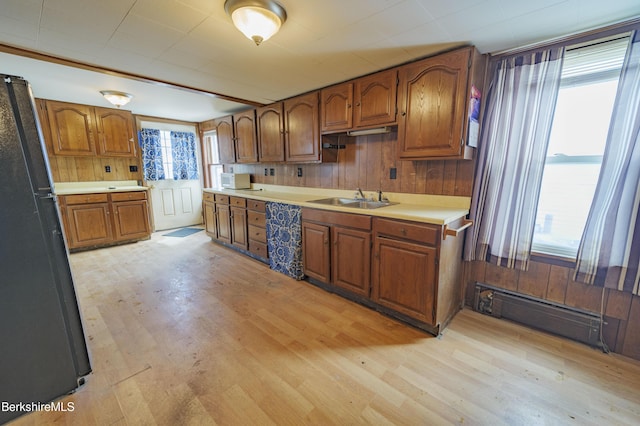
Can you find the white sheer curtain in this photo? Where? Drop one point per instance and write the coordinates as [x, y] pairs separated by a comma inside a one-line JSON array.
[[513, 147], [609, 254]]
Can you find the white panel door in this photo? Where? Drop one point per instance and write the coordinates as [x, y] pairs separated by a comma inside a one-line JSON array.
[[176, 203]]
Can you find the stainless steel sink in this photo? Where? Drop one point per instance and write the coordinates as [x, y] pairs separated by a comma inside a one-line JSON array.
[[352, 202]]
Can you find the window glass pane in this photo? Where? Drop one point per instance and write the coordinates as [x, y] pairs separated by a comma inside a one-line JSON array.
[[576, 145], [213, 158]]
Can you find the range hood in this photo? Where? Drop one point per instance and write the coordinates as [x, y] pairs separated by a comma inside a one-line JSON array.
[[376, 131]]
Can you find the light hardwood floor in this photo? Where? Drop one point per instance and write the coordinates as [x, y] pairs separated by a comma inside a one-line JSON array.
[[185, 332]]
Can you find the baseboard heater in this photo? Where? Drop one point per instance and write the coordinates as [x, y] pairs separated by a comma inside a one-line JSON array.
[[576, 324]]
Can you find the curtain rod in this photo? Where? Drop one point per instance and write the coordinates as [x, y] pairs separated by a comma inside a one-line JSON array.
[[593, 33]]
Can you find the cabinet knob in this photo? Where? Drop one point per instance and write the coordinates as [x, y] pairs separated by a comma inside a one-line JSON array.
[[403, 113], [403, 231], [357, 104], [326, 242]]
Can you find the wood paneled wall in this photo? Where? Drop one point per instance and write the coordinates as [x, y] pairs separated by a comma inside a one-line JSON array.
[[90, 169], [621, 311], [365, 163]]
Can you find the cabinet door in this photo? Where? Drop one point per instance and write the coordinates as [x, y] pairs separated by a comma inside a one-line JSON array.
[[336, 110], [351, 259], [89, 225], [270, 133], [433, 106], [131, 220], [115, 132], [302, 130], [239, 227], [404, 278], [315, 251], [210, 219], [226, 145], [375, 99], [223, 223], [73, 128], [244, 126]]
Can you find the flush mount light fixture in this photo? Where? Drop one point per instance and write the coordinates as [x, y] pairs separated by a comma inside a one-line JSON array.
[[258, 20], [117, 98]]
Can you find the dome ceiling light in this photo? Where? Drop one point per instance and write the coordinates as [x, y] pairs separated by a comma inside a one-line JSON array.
[[116, 98], [258, 20]]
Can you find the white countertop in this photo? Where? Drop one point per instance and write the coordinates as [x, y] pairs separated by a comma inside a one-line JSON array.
[[434, 209], [69, 188]]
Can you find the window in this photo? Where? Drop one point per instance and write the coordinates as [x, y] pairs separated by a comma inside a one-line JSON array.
[[212, 158], [577, 142], [167, 155]]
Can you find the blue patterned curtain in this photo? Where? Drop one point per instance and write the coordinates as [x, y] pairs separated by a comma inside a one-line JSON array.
[[284, 238], [183, 150], [149, 140]]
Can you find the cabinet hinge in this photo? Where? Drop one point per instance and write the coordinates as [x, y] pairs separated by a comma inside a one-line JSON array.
[[433, 315], [470, 61]]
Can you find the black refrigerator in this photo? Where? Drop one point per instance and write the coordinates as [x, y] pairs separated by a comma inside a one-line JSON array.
[[43, 352]]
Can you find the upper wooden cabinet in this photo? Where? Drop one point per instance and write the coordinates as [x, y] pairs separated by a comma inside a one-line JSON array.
[[83, 130], [289, 130], [115, 132], [375, 99], [270, 126], [434, 98], [226, 145], [73, 128], [246, 143], [336, 108], [366, 102], [302, 129]]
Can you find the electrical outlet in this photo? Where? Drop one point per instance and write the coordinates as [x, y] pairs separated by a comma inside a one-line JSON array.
[[230, 169], [393, 173], [299, 171], [107, 169], [133, 169], [272, 172], [266, 171]]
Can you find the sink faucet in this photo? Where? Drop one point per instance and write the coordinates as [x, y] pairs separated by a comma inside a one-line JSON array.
[[359, 194]]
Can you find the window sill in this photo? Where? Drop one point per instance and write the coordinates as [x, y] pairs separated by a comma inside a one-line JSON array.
[[551, 259]]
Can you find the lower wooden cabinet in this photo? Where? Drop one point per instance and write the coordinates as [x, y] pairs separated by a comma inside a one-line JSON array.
[[404, 277], [130, 215], [257, 228], [238, 216], [209, 211], [336, 249], [404, 269], [237, 222], [102, 219], [416, 273]]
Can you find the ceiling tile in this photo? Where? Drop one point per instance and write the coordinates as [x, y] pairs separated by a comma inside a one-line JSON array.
[[171, 14]]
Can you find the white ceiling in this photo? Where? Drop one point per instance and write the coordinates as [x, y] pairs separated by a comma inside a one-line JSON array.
[[193, 43]]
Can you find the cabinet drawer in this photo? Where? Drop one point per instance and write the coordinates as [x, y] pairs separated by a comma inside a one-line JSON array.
[[256, 218], [85, 198], [258, 248], [256, 205], [257, 234], [208, 197], [222, 199], [129, 196], [427, 234], [337, 218], [238, 202]]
